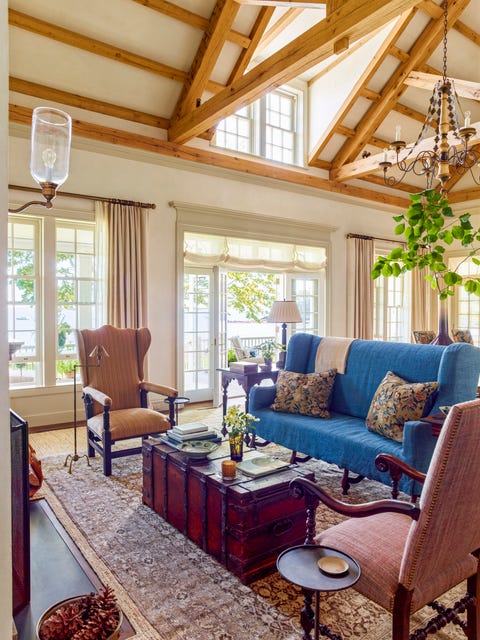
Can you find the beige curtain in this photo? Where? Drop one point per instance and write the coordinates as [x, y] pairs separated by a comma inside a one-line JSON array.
[[424, 316], [360, 287], [122, 234]]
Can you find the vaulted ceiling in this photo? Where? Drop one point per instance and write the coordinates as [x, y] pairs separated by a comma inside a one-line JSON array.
[[159, 75]]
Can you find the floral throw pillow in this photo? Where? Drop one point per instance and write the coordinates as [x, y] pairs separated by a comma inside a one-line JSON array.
[[396, 401], [305, 393]]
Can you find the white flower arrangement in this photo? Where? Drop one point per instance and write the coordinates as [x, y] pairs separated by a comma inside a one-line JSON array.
[[237, 421]]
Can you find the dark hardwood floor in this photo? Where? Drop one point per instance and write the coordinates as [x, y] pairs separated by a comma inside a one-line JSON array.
[[58, 571]]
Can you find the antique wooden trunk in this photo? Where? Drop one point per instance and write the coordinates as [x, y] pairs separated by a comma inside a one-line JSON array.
[[244, 523]]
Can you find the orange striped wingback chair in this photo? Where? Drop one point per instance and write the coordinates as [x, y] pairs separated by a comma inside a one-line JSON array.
[[411, 555], [115, 392]]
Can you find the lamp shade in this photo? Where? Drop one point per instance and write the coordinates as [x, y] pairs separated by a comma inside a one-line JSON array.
[[284, 311], [50, 145]]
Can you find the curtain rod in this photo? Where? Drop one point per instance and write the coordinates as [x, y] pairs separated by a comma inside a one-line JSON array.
[[66, 194], [360, 237]]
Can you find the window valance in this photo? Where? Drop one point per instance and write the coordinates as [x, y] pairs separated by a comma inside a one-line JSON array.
[[248, 254]]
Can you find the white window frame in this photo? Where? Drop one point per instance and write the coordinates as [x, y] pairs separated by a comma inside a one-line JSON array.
[[258, 126], [465, 307], [391, 304], [46, 296]]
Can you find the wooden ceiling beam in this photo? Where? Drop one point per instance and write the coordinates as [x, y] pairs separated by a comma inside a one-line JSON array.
[[206, 58], [435, 11], [363, 167], [82, 102], [23, 115], [407, 188], [258, 29], [256, 37], [341, 57], [464, 88], [73, 39], [393, 89], [360, 85], [276, 29], [466, 195], [353, 20], [303, 4], [193, 19]]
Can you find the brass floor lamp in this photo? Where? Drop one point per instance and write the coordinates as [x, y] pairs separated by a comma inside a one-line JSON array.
[[98, 352]]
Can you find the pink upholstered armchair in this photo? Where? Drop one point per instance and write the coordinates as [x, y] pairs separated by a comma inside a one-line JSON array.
[[411, 555], [115, 393]]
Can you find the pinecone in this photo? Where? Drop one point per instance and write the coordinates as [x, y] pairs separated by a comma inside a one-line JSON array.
[[63, 622], [93, 617]]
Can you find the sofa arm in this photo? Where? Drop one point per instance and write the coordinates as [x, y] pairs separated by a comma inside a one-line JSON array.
[[418, 444], [261, 397]]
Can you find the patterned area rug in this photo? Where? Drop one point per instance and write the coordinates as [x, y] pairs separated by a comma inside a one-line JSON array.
[[169, 588]]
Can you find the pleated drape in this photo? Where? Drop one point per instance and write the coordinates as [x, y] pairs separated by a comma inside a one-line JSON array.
[[424, 315], [123, 229], [360, 287]]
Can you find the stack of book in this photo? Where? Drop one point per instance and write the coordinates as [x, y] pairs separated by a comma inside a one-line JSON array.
[[192, 431]]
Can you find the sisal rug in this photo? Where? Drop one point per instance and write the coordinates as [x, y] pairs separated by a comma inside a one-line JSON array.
[[170, 589]]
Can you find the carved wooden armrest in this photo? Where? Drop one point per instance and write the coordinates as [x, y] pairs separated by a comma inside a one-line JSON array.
[[313, 494], [98, 396], [396, 468]]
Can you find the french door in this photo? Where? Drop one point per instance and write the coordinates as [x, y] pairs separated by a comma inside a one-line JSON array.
[[204, 332]]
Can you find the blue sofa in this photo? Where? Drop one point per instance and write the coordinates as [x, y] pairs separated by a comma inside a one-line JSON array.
[[344, 438]]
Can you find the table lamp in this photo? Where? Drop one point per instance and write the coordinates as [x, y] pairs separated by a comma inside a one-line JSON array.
[[284, 311]]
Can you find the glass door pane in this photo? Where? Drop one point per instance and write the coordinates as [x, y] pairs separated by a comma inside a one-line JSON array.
[[198, 335]]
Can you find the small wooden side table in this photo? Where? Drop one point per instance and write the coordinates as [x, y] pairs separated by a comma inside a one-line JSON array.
[[245, 380], [435, 421], [300, 566]]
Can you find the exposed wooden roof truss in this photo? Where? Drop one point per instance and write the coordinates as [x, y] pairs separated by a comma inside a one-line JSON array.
[[234, 64]]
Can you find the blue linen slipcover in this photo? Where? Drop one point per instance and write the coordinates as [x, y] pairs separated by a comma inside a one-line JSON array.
[[344, 438]]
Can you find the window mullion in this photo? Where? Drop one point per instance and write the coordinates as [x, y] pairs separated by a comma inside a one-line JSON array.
[[49, 301]]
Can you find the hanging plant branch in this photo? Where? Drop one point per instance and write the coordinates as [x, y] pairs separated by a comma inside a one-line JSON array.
[[429, 227]]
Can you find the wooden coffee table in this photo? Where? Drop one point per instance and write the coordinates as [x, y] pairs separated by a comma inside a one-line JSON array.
[[244, 523]]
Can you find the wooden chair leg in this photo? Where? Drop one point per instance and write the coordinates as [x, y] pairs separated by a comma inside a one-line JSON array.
[[401, 614], [473, 613], [107, 453]]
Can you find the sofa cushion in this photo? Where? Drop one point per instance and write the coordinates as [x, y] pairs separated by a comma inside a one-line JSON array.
[[305, 393], [396, 401]]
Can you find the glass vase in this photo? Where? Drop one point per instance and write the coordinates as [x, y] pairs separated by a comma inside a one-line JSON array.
[[236, 446]]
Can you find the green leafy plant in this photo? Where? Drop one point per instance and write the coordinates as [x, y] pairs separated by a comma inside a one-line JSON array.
[[429, 227], [65, 366], [232, 356], [237, 421], [268, 348]]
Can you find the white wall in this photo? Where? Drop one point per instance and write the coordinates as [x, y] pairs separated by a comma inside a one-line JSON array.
[[140, 176], [5, 493]]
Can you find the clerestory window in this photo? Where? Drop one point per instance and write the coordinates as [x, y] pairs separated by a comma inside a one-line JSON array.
[[270, 127]]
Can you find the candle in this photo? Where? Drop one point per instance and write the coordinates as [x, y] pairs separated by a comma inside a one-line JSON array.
[[467, 118], [398, 133], [228, 469], [385, 155]]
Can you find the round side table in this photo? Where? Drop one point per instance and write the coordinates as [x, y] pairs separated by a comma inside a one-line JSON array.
[[181, 400], [299, 565]]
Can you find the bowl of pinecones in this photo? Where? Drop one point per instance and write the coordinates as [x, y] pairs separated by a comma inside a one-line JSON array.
[[95, 616]]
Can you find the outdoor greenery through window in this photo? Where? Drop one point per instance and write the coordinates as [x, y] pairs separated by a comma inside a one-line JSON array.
[[269, 128], [51, 291]]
